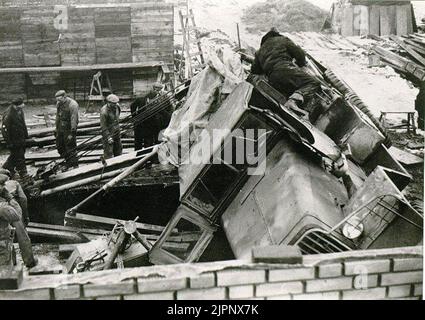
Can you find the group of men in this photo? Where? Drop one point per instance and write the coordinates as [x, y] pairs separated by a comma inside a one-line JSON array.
[[13, 201]]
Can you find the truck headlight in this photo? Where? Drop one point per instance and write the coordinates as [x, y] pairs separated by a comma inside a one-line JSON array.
[[353, 228]]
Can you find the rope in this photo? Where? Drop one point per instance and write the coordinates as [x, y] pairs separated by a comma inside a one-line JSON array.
[[149, 110]]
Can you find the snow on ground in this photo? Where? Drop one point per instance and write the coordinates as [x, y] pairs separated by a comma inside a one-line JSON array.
[[380, 88]]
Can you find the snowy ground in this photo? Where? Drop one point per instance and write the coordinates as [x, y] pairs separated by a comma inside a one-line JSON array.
[[380, 88]]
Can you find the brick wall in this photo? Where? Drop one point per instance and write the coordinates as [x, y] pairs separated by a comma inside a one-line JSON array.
[[377, 274]]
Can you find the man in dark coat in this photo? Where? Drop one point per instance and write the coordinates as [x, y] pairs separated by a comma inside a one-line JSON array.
[[11, 216], [110, 125], [66, 128], [275, 60], [15, 133], [146, 132]]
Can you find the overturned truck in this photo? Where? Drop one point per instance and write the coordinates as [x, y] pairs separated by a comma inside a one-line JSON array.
[[269, 177]]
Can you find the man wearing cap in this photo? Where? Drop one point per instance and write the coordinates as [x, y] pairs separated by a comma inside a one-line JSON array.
[[275, 60], [15, 133], [15, 190], [66, 128], [110, 125], [11, 216]]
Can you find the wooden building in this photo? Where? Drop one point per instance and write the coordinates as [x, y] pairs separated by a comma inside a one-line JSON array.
[[64, 33], [376, 17]]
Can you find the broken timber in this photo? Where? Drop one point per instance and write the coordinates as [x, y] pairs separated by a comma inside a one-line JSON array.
[[90, 221]]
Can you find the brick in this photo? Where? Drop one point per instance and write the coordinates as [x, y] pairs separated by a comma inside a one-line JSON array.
[[99, 290], [240, 277], [418, 290], [202, 281], [36, 294], [401, 278], [369, 266], [155, 285], [330, 284], [291, 274], [151, 296], [368, 294], [284, 297], [365, 281], [110, 298], [67, 292], [317, 296], [240, 292], [277, 289], [330, 270], [399, 291], [202, 294], [277, 254], [408, 264]]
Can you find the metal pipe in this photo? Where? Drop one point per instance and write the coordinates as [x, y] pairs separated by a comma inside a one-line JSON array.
[[114, 181]]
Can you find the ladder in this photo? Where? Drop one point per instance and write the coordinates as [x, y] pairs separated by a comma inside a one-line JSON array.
[[97, 90], [188, 24]]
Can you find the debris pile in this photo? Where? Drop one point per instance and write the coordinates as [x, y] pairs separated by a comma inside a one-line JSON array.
[[286, 15]]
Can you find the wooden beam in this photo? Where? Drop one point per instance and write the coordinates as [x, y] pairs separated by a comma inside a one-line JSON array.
[[409, 50], [94, 67], [85, 220]]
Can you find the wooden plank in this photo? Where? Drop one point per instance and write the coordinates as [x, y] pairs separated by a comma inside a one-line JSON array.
[[364, 20], [374, 20], [416, 46], [66, 228], [85, 220], [403, 17], [409, 50], [405, 157], [59, 236], [388, 20], [95, 67]]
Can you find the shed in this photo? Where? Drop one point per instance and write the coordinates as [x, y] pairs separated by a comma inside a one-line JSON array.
[[372, 17]]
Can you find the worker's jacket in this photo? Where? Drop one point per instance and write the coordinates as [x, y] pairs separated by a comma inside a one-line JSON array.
[[110, 121], [277, 52], [67, 116], [14, 129], [8, 216]]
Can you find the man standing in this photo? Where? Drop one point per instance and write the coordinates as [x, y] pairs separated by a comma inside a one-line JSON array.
[[15, 133], [110, 125], [275, 60], [66, 128], [146, 133], [11, 216]]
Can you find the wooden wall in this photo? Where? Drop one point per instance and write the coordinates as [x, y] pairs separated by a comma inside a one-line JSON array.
[[373, 17], [94, 34]]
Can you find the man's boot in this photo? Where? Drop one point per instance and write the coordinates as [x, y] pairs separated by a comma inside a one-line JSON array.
[[293, 104]]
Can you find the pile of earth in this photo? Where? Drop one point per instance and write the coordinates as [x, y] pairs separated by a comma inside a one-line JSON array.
[[286, 15]]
